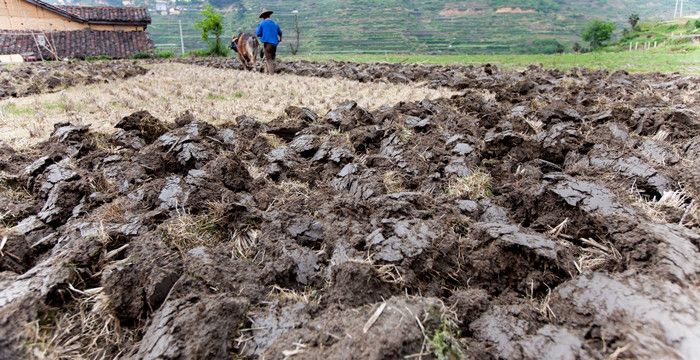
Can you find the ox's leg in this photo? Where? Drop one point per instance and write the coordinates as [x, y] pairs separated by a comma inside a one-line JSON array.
[[250, 54], [254, 56], [241, 59]]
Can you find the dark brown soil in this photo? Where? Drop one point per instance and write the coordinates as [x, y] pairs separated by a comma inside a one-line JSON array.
[[30, 79], [517, 220]]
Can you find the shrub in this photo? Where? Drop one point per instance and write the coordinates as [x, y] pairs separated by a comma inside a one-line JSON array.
[[598, 32], [577, 48], [547, 46], [164, 54], [198, 53], [98, 57], [141, 55], [212, 25], [697, 24], [158, 54]]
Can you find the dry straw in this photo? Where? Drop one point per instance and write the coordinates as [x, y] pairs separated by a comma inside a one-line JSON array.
[[214, 95]]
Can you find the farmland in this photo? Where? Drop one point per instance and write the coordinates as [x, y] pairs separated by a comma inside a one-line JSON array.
[[210, 94], [187, 209]]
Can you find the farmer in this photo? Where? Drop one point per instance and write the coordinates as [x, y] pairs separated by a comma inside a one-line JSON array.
[[271, 35]]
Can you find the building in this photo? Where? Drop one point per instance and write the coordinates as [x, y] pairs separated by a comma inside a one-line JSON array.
[[161, 6], [38, 30]]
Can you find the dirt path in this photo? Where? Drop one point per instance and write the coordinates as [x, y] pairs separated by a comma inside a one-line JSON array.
[[534, 215]]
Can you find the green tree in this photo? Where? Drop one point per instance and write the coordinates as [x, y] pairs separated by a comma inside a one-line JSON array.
[[597, 32], [633, 20], [212, 25]]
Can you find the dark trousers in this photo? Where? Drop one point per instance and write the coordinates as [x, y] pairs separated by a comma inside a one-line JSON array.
[[270, 56]]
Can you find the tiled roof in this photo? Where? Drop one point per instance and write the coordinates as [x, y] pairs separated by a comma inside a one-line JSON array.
[[109, 14], [76, 44], [98, 14]]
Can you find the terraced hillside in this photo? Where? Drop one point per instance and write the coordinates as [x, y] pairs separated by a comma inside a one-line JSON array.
[[486, 26], [431, 26]]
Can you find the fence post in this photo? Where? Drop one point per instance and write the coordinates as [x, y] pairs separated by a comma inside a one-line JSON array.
[[36, 42], [636, 45], [182, 41], [654, 44], [630, 46], [680, 13]]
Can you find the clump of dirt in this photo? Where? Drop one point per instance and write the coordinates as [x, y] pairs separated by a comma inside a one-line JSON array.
[[539, 214], [30, 79]]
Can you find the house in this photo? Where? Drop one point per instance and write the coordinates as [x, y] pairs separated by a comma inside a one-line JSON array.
[[161, 6], [39, 30]]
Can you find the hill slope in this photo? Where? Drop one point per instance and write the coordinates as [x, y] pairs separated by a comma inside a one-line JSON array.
[[491, 26], [426, 26]]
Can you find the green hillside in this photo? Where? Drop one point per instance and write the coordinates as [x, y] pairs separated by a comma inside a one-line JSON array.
[[422, 26], [675, 35]]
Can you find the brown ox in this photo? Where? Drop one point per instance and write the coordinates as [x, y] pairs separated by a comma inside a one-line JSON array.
[[246, 46]]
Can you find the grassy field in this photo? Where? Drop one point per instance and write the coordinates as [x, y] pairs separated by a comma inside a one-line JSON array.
[[659, 60], [675, 53]]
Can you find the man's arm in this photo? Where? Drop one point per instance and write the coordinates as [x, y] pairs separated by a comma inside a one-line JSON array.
[[279, 32], [259, 32]]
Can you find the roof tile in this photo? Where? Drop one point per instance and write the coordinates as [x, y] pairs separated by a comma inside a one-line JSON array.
[[108, 14]]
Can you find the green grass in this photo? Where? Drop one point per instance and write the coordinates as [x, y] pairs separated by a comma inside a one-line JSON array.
[[164, 54], [220, 97], [98, 58], [50, 106], [657, 60], [443, 343], [15, 110], [216, 97], [673, 35]]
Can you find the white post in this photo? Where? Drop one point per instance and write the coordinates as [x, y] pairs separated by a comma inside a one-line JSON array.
[[675, 11], [680, 13], [636, 45], [654, 44], [182, 41], [630, 46]]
